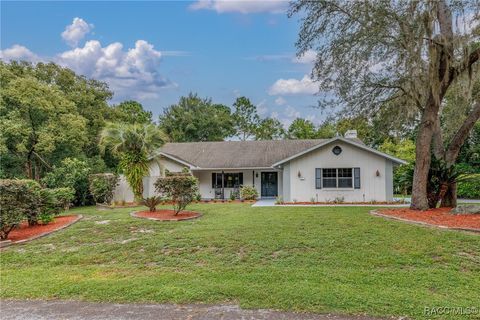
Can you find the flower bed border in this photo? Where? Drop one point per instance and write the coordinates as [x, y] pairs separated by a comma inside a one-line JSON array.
[[134, 214], [424, 224], [7, 242]]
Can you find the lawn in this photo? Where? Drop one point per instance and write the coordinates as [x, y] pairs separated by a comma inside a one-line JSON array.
[[336, 260]]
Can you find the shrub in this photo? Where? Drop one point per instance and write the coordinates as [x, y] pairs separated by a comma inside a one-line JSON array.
[[33, 201], [64, 197], [152, 202], [72, 173], [102, 187], [182, 188], [17, 202], [468, 186], [54, 201], [248, 193]]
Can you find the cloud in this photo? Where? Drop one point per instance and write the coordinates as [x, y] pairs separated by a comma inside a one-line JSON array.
[[131, 73], [305, 86], [18, 52], [280, 101], [76, 31], [241, 6], [308, 57]]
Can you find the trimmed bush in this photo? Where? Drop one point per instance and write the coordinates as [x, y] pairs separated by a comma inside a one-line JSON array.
[[53, 202], [17, 202], [152, 202], [182, 188], [248, 193], [469, 186], [102, 187]]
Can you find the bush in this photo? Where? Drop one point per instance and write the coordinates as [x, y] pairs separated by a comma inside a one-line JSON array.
[[72, 173], [64, 197], [17, 202], [469, 186], [152, 202], [182, 188], [102, 187], [53, 202], [248, 193]]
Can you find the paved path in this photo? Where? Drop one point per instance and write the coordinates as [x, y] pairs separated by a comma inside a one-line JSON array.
[[76, 310]]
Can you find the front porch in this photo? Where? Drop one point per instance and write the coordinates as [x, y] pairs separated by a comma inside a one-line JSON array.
[[226, 183]]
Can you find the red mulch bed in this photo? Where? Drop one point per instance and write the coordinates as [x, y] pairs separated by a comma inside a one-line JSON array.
[[25, 232], [167, 215], [438, 217]]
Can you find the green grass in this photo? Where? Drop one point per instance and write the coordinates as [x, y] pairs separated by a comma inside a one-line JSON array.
[[326, 259]]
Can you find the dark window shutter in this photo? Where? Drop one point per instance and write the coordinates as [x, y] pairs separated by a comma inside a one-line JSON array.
[[214, 179], [240, 178], [356, 177], [318, 178]]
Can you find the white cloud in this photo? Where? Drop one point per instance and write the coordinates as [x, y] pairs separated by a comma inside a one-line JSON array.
[[132, 73], [76, 31], [262, 107], [18, 52], [241, 6], [304, 86], [280, 101], [308, 57]]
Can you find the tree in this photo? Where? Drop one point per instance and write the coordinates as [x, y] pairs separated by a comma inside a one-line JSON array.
[[130, 112], [302, 129], [269, 129], [245, 118], [38, 121], [133, 143], [182, 188], [196, 119], [326, 130], [396, 55]]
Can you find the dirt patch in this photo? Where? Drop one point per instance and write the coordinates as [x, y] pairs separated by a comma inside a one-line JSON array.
[[440, 217], [25, 232], [166, 215]]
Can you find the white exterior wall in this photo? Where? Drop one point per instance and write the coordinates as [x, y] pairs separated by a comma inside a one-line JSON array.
[[372, 188]]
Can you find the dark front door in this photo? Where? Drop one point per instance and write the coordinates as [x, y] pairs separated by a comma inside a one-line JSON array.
[[269, 184]]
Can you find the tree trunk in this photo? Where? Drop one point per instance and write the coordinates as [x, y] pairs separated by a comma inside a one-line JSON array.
[[450, 198]]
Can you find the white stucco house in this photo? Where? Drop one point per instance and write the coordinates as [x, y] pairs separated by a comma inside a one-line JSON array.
[[296, 170]]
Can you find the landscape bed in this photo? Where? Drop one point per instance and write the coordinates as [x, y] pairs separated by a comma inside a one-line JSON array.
[[339, 260], [166, 215]]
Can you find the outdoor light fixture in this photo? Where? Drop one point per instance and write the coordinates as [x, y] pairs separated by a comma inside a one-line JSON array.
[[377, 173]]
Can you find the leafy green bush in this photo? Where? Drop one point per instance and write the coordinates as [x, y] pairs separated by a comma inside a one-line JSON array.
[[102, 187], [72, 173], [468, 186], [182, 188], [63, 197], [248, 193], [152, 202], [17, 202], [54, 201]]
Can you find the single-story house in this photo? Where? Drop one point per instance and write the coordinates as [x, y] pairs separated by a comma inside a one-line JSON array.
[[296, 170]]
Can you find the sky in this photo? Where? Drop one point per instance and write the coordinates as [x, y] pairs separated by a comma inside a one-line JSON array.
[[156, 51]]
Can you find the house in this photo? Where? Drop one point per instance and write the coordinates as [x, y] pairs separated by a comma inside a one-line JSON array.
[[296, 170]]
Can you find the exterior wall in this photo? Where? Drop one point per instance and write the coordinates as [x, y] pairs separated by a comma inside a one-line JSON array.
[[388, 180], [286, 182], [373, 188]]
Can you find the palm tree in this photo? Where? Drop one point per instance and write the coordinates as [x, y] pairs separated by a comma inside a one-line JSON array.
[[133, 143]]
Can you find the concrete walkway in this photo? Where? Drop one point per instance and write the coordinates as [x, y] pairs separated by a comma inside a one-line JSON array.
[[76, 310]]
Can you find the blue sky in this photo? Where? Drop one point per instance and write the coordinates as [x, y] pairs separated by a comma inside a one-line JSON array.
[[155, 52]]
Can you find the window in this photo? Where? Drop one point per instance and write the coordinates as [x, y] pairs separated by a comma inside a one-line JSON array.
[[337, 178], [230, 180], [336, 150]]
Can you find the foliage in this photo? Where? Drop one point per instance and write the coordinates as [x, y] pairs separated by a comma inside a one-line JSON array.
[[133, 143], [152, 202], [182, 188], [302, 129], [402, 174], [248, 193], [469, 186], [269, 129], [71, 173], [245, 118], [102, 187], [130, 112], [17, 203], [196, 119]]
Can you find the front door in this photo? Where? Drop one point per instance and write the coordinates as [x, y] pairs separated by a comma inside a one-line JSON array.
[[269, 184]]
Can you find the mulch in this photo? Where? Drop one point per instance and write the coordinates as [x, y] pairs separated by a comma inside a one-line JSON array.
[[166, 215], [25, 232], [441, 217]]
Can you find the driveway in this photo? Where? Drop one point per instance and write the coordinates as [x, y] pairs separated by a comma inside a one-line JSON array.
[[76, 310]]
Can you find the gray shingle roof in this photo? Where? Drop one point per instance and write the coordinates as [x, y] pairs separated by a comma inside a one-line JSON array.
[[238, 154]]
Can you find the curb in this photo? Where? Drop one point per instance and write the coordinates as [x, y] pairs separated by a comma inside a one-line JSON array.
[[4, 245], [134, 215], [424, 224]]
